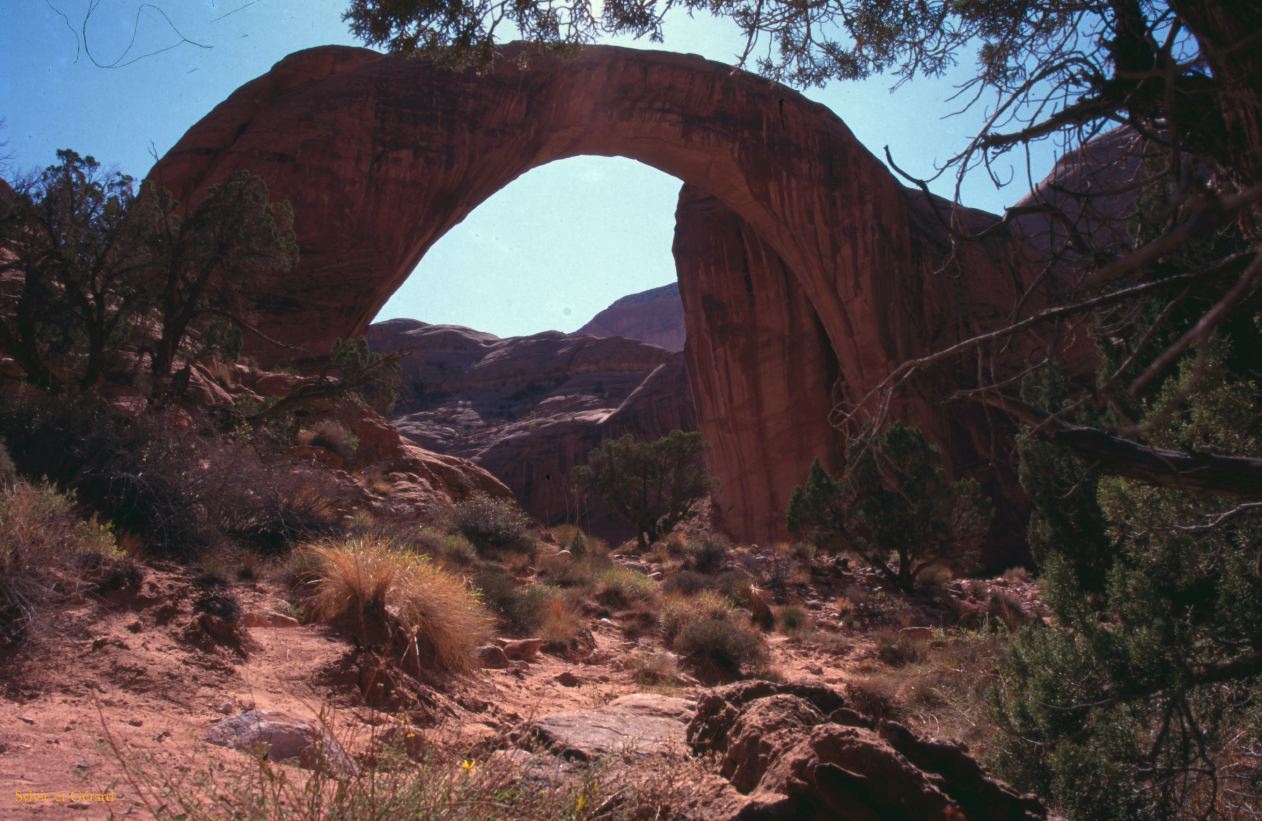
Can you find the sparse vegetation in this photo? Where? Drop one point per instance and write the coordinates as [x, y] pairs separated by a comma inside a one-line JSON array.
[[42, 536], [397, 600], [793, 620], [336, 438], [494, 525], [624, 587], [712, 636]]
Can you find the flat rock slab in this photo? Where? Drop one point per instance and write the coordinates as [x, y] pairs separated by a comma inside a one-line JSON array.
[[280, 737], [638, 724]]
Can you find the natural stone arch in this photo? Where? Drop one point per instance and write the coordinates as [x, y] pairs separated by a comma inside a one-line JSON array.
[[381, 155]]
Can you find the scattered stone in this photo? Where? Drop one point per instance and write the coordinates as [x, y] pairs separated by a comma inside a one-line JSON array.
[[814, 669], [26, 719], [568, 679], [522, 649], [493, 657], [280, 737], [136, 722], [269, 619]]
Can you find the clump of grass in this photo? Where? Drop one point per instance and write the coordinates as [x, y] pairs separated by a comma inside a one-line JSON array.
[[706, 555], [494, 524], [624, 587], [400, 600], [560, 621], [653, 669], [793, 620], [713, 636], [896, 649], [335, 437], [687, 583], [41, 537]]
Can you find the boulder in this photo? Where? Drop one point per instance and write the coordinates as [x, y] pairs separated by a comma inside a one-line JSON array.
[[280, 737], [799, 752]]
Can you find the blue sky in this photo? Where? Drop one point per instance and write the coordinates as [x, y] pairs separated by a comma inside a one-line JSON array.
[[546, 252]]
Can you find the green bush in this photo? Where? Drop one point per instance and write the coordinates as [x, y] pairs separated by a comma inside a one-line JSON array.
[[793, 620], [649, 484], [624, 587], [42, 537], [894, 500], [494, 524], [721, 648]]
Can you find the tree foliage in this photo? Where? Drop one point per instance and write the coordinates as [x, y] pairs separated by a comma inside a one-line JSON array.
[[105, 277], [1128, 707], [895, 507], [649, 484]]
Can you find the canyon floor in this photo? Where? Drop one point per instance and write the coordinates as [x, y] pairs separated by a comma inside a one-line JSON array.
[[107, 709]]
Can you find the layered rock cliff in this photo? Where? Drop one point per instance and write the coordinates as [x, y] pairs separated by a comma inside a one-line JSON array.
[[529, 409]]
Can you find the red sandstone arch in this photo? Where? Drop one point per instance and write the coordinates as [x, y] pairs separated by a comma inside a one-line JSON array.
[[381, 155]]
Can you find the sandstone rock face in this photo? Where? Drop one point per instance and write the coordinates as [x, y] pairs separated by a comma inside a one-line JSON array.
[[760, 363], [382, 155], [655, 316], [529, 409], [799, 753]]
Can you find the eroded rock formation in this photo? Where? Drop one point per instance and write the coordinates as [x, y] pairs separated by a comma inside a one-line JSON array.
[[655, 316], [529, 409], [381, 155]]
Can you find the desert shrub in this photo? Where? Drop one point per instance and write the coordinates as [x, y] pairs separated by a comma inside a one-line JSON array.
[[793, 620], [678, 610], [180, 490], [624, 587], [721, 648], [895, 506], [399, 600], [41, 536], [652, 668], [803, 551], [894, 648], [736, 585], [493, 524], [445, 547], [649, 484], [687, 583], [706, 555], [520, 606], [581, 572], [335, 437], [712, 635]]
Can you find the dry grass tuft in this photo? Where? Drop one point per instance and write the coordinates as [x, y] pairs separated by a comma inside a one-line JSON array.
[[400, 600]]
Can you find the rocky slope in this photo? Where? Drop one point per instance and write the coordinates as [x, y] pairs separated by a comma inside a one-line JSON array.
[[528, 409], [655, 316]]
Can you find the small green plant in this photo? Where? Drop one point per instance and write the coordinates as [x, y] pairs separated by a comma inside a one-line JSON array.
[[793, 620], [624, 587], [653, 669], [494, 524]]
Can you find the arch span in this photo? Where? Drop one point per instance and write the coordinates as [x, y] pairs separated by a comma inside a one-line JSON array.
[[380, 155]]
